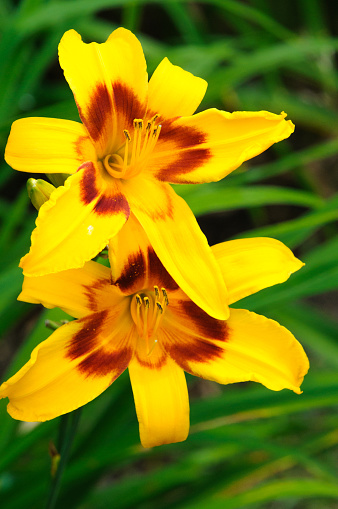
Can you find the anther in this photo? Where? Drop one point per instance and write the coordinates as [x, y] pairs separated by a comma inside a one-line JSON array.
[[127, 135], [157, 292], [138, 300], [138, 122], [146, 302], [165, 295], [160, 307]]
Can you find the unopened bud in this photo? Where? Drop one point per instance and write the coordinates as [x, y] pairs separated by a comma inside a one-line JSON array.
[[39, 191], [55, 457], [58, 179]]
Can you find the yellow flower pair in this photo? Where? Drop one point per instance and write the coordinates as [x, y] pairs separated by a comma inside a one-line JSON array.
[[162, 308]]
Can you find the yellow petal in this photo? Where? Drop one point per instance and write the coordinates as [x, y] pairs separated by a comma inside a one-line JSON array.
[[174, 92], [208, 146], [48, 145], [76, 223], [135, 265], [109, 82], [189, 335], [77, 291], [128, 256], [72, 367], [255, 348], [249, 265], [179, 243], [161, 400]]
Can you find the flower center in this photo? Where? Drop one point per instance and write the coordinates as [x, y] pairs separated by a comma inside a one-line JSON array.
[[129, 159], [147, 310]]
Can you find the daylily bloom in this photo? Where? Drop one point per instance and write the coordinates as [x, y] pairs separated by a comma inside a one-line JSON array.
[[137, 317], [134, 139]]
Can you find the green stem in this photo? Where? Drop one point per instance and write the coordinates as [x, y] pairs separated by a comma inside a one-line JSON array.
[[68, 426]]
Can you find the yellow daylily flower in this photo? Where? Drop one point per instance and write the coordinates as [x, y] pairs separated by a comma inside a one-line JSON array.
[[135, 138], [138, 317]]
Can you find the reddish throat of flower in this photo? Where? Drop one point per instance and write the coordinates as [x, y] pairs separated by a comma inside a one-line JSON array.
[[147, 310], [129, 159]]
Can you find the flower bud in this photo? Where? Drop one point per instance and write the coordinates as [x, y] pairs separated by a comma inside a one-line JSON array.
[[39, 191], [58, 179]]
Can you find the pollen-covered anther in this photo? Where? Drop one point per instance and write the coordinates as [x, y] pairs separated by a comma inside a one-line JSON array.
[[147, 310], [130, 158], [165, 295]]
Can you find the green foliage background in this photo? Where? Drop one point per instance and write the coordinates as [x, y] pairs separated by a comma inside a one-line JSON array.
[[248, 447]]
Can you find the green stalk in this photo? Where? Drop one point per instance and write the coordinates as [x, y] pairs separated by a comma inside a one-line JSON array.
[[67, 431]]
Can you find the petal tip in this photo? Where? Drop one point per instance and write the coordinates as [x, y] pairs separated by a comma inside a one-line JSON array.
[[69, 36]]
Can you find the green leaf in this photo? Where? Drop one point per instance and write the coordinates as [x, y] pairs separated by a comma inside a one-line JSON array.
[[206, 198]]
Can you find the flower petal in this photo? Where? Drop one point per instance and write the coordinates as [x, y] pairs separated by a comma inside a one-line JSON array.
[[208, 146], [109, 82], [48, 145], [179, 243], [174, 92], [72, 367], [253, 348], [249, 265], [161, 400], [135, 265], [76, 223], [77, 291]]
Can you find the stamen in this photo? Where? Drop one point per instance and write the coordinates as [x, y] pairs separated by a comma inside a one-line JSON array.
[[158, 317], [165, 295], [154, 138], [129, 160], [126, 150], [138, 314], [147, 310], [145, 318], [127, 135]]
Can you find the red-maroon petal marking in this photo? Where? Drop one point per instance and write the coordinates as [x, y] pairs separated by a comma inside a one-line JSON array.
[[152, 365], [158, 274], [133, 274], [194, 351], [79, 144], [109, 204], [102, 362], [88, 188], [85, 340], [204, 324], [186, 162], [90, 292], [183, 137], [98, 112], [127, 105]]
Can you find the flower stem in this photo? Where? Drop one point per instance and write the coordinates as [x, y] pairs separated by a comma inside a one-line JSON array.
[[67, 430]]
